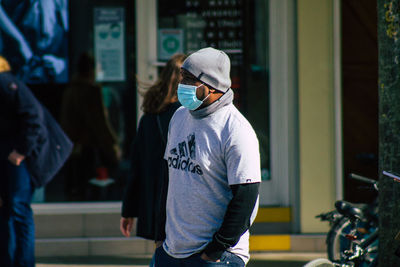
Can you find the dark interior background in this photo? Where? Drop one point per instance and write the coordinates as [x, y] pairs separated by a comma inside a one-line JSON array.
[[360, 96]]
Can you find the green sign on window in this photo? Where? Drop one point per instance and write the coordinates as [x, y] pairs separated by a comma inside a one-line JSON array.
[[170, 42]]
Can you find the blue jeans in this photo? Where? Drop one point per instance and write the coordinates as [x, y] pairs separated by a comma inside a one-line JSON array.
[[17, 230], [162, 259]]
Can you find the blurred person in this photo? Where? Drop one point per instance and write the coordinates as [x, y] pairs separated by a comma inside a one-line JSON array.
[[85, 119], [214, 170], [32, 149], [148, 175], [34, 34]]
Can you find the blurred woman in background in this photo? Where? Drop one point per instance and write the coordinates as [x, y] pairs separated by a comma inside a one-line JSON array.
[[149, 176]]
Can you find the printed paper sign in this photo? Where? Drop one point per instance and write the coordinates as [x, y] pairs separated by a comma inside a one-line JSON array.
[[109, 43]]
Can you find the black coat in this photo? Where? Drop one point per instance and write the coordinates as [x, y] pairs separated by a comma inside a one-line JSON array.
[[149, 175], [27, 127]]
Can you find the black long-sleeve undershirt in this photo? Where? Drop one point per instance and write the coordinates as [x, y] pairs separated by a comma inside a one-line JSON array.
[[236, 220]]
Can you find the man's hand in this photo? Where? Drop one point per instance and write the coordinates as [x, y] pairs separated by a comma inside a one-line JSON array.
[[126, 225], [206, 258], [16, 158]]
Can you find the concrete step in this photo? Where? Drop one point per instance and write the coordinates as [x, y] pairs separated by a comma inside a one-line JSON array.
[[288, 243], [77, 247], [76, 220], [89, 229], [102, 220], [116, 246]]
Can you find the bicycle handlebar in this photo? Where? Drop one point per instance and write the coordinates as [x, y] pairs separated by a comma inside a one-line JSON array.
[[362, 179]]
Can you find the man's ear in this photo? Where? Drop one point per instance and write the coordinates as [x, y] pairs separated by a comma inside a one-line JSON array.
[[212, 90]]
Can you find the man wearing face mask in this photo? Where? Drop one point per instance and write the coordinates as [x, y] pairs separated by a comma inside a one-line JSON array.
[[214, 170]]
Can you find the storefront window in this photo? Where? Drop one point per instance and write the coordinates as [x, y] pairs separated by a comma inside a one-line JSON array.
[[238, 27], [96, 105]]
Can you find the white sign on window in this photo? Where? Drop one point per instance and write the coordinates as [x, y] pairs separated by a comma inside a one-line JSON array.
[[109, 44]]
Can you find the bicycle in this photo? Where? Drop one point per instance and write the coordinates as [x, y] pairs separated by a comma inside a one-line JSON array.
[[352, 239]]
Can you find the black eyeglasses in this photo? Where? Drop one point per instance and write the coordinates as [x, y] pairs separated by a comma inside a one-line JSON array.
[[188, 78]]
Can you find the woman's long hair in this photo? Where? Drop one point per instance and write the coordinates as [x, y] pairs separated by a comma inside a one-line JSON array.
[[158, 96]]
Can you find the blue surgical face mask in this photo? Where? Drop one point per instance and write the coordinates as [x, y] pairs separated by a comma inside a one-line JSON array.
[[187, 96]]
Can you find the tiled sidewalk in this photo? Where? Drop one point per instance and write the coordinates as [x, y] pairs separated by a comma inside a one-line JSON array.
[[276, 259]]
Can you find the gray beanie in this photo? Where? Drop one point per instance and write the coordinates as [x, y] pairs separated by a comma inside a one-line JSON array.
[[210, 66]]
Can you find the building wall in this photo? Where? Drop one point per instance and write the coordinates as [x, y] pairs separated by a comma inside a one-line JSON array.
[[316, 111]]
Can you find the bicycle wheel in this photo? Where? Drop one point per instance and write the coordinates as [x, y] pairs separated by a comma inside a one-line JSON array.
[[319, 263], [337, 241], [370, 254]]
